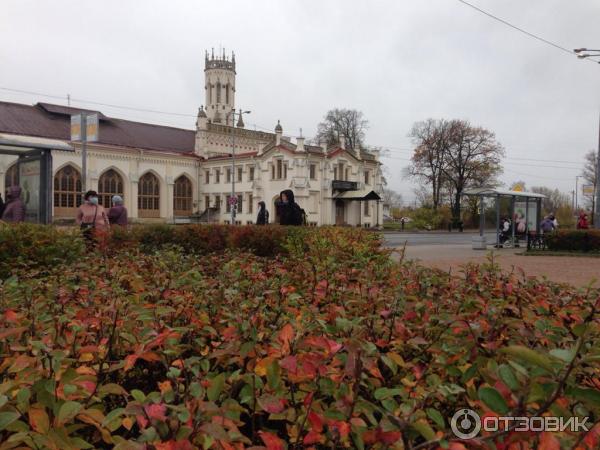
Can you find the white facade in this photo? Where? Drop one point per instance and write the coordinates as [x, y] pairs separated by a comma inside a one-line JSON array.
[[174, 186]]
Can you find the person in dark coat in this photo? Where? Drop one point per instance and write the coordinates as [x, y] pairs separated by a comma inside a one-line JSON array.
[[290, 212], [117, 215], [263, 214], [1, 206], [14, 210]]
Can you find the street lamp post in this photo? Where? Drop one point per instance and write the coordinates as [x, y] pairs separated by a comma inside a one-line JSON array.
[[233, 199], [586, 53]]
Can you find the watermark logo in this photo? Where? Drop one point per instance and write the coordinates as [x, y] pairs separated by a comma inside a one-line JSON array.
[[466, 424]]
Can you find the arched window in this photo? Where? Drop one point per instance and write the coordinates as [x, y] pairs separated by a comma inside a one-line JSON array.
[[11, 177], [227, 93], [182, 196], [149, 196], [110, 183], [67, 191], [218, 92]]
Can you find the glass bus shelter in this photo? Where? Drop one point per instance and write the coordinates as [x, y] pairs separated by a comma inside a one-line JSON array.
[[34, 168], [524, 207]]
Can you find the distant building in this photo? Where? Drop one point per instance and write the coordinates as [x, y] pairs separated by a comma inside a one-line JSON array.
[[170, 174]]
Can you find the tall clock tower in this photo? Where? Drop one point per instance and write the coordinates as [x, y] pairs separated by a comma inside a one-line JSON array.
[[219, 85]]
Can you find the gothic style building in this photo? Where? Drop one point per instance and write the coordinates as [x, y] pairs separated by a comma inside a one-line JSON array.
[[178, 175]]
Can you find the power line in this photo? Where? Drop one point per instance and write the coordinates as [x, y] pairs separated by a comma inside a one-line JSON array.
[[521, 30]]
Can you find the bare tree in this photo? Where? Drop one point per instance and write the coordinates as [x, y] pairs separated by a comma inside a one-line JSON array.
[[431, 138], [349, 123], [590, 176], [392, 198], [554, 199], [473, 159]]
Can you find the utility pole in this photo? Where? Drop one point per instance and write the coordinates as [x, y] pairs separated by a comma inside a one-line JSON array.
[[597, 201], [84, 153], [233, 199]]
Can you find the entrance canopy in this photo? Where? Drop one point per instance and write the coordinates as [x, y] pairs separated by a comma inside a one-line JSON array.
[[358, 195], [521, 206], [34, 168]]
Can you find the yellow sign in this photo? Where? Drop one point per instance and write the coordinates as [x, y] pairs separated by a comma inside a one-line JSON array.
[[518, 187], [588, 189]]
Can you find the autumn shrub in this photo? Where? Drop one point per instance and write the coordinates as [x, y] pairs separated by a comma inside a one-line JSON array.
[[36, 247], [574, 240]]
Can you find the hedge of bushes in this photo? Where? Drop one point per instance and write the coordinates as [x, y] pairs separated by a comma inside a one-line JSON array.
[[39, 247], [574, 240], [331, 344]]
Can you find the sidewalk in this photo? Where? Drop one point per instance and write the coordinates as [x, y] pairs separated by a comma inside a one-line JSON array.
[[576, 270]]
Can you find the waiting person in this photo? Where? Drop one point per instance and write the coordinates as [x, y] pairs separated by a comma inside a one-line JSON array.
[[547, 224], [263, 214], [582, 223], [91, 217], [1, 206], [117, 214], [290, 212], [505, 230], [14, 209], [554, 221]]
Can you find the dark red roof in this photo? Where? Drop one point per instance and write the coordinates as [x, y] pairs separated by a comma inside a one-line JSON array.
[[53, 121]]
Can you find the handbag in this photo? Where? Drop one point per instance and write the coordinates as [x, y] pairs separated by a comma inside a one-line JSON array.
[[88, 226]]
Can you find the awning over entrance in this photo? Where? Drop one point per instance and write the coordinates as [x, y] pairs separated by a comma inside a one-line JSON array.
[[358, 195]]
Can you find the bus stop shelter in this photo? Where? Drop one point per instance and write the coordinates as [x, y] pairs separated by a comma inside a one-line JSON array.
[[524, 206], [34, 166]]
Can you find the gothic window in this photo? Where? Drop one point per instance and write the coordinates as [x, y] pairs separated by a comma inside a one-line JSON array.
[[250, 203], [217, 175], [251, 174], [367, 177], [218, 92], [313, 171], [240, 198], [239, 174], [210, 86], [367, 209], [182, 196], [228, 176], [227, 93], [110, 183], [149, 196], [11, 177], [67, 191]]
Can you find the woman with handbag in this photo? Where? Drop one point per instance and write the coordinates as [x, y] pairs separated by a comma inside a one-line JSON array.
[[91, 217]]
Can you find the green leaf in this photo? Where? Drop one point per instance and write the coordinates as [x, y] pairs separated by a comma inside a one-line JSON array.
[[6, 418], [216, 386], [138, 395], [531, 356], [565, 355], [589, 396], [436, 416], [112, 388], [424, 429], [493, 399], [508, 377], [68, 410], [273, 375], [383, 393], [196, 389]]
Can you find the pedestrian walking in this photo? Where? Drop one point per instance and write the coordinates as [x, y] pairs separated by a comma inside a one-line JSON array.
[[91, 217], [14, 209], [582, 223], [263, 214], [117, 214], [290, 212]]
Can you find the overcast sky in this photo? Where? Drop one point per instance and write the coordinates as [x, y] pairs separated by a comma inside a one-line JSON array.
[[398, 61]]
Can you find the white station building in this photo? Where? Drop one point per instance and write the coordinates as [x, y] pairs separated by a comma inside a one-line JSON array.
[[168, 174]]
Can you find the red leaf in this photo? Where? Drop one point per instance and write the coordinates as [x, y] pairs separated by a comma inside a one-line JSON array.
[[271, 441], [285, 337], [141, 421], [271, 404], [548, 442], [150, 356], [315, 422], [129, 362], [311, 437], [10, 315], [289, 363], [156, 411]]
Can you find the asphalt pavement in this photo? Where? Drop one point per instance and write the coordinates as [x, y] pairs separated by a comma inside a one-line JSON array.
[[397, 239]]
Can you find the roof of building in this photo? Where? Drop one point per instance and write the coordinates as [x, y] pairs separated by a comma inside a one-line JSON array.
[[53, 121]]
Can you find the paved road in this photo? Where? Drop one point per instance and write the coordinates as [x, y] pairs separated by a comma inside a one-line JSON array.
[[432, 238]]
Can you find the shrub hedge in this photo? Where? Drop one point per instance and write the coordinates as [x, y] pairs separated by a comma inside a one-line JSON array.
[[574, 240], [331, 344]]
